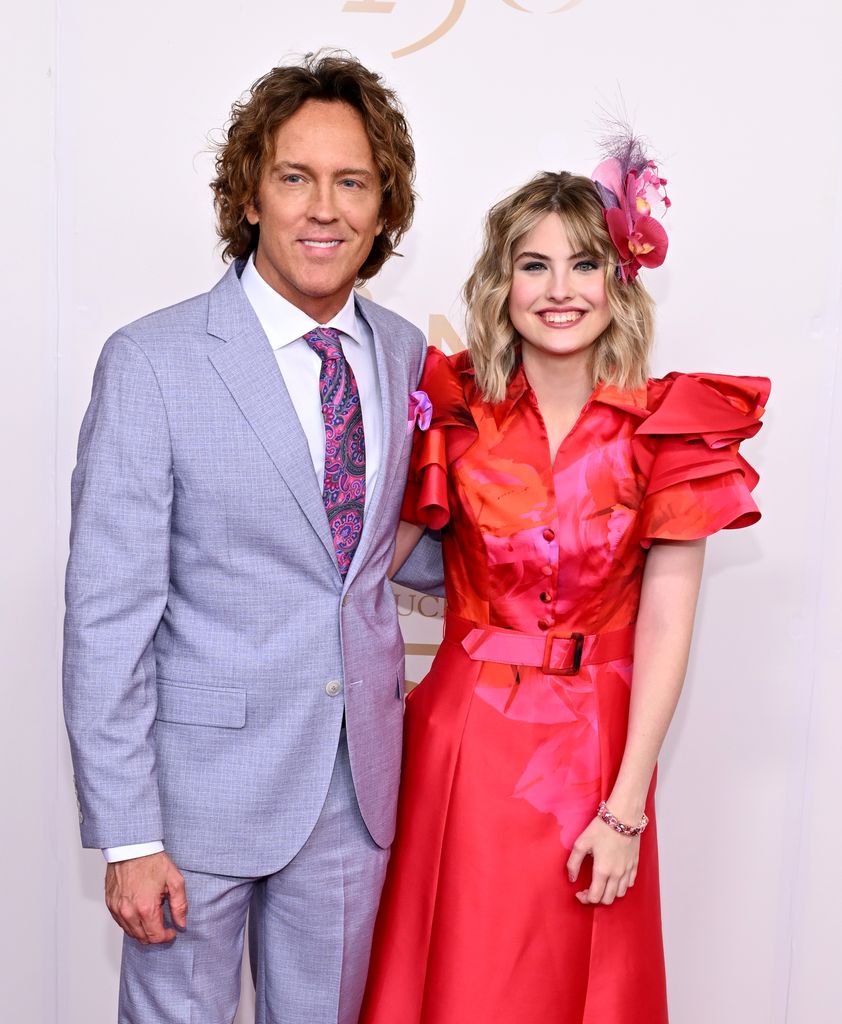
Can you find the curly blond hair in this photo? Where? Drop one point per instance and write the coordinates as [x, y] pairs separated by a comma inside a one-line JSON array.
[[249, 137], [620, 356]]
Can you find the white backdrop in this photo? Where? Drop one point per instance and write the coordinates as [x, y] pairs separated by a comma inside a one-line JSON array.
[[107, 215]]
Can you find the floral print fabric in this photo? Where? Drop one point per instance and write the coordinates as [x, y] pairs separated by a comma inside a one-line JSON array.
[[504, 766]]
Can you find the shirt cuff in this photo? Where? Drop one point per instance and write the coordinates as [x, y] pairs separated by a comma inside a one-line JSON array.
[[117, 853]]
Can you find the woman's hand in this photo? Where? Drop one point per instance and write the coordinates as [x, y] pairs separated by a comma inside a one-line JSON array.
[[614, 863]]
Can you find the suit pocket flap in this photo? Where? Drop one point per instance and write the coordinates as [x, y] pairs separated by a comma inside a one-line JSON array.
[[201, 705]]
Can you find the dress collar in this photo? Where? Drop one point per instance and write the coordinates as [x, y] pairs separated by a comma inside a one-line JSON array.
[[630, 400]]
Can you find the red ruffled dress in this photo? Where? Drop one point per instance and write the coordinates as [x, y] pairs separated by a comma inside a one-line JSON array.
[[509, 746]]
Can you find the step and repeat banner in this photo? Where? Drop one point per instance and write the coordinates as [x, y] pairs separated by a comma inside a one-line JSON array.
[[738, 102]]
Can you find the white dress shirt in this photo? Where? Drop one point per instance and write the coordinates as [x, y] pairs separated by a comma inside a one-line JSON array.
[[285, 326]]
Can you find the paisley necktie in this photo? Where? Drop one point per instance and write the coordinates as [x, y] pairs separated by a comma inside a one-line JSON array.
[[344, 486]]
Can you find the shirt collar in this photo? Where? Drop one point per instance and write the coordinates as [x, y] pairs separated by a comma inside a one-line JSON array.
[[284, 323]]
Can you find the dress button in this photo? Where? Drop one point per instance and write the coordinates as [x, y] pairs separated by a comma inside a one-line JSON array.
[[345, 600], [549, 534], [546, 597], [544, 624], [547, 570], [333, 688]]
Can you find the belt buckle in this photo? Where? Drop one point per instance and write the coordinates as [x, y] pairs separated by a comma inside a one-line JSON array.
[[547, 669]]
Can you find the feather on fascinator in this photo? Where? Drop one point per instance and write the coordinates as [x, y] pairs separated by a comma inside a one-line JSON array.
[[629, 186]]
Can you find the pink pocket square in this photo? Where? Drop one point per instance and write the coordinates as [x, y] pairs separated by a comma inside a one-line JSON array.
[[420, 411]]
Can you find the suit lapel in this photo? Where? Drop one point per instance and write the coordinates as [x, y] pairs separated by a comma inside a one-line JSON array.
[[392, 378], [248, 368]]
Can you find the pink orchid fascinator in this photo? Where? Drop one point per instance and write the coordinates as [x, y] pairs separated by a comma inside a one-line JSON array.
[[630, 186], [420, 411]]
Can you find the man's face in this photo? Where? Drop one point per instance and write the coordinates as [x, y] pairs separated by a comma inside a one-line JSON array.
[[318, 207]]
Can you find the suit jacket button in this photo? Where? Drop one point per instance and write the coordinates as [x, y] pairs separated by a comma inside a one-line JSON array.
[[333, 688]]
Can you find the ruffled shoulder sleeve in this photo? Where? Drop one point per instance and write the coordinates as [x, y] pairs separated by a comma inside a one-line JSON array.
[[451, 431], [688, 448]]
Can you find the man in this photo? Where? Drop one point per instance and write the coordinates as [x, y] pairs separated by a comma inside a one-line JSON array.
[[233, 663]]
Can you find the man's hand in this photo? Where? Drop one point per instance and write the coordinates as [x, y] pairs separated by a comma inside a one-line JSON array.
[[135, 891]]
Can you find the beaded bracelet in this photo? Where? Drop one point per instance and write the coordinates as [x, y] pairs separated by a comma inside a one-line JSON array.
[[617, 825]]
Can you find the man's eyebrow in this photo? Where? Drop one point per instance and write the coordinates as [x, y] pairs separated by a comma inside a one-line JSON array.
[[357, 172], [342, 172], [289, 165]]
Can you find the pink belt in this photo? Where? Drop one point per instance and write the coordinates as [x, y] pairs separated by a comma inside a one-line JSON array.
[[557, 653]]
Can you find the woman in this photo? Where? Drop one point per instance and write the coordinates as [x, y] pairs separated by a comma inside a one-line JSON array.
[[574, 496]]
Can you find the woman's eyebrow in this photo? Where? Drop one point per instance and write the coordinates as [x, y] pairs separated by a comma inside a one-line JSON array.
[[541, 256]]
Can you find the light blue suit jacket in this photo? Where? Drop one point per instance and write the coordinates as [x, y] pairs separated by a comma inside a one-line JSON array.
[[207, 622]]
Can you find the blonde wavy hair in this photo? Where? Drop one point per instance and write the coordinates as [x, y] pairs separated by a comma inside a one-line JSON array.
[[620, 356]]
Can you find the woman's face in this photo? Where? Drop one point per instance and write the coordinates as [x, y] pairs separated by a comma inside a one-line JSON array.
[[557, 300]]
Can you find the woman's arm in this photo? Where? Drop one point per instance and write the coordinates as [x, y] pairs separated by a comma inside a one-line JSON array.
[[408, 536], [664, 628]]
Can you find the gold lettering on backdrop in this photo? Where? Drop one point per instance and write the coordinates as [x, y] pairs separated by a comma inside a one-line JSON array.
[[442, 331], [387, 6], [422, 650], [427, 606], [434, 606], [418, 651], [437, 33], [369, 6], [526, 10]]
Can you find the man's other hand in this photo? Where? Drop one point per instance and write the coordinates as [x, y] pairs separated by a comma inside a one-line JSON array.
[[135, 891]]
